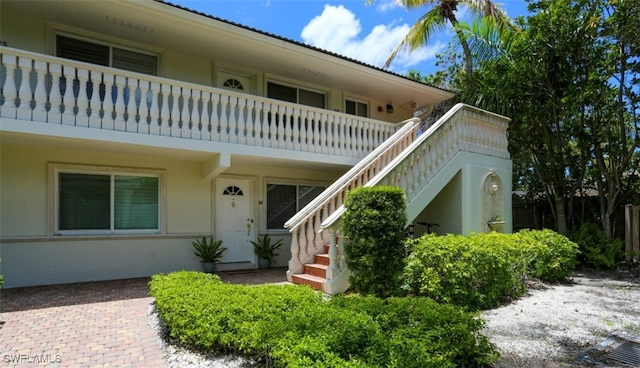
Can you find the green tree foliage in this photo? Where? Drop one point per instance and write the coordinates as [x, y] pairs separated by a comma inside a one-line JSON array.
[[569, 77], [595, 249], [374, 226]]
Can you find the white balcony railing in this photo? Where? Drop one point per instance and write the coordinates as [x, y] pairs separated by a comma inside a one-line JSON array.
[[41, 88]]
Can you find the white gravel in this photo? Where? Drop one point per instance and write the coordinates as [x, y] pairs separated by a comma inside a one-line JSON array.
[[178, 356], [553, 324], [549, 327]]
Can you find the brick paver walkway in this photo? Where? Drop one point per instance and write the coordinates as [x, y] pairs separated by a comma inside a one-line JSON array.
[[95, 324], [92, 324]]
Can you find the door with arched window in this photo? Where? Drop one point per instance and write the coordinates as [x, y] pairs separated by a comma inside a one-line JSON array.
[[234, 81], [234, 219]]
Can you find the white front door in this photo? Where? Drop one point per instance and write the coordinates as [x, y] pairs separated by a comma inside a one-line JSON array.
[[234, 219], [234, 81]]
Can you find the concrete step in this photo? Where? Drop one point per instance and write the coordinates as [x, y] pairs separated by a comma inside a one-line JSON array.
[[306, 279], [322, 259], [316, 269]]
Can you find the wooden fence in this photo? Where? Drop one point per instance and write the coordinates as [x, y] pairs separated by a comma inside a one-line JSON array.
[[632, 232]]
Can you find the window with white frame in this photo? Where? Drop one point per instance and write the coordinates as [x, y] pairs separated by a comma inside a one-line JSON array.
[[285, 200], [296, 95], [357, 108], [106, 55], [90, 201]]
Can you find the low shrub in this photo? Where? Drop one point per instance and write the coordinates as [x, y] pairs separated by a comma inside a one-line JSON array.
[[423, 333], [595, 249], [481, 271], [478, 271], [553, 256], [294, 326]]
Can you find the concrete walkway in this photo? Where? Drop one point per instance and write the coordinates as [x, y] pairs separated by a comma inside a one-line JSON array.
[[93, 324]]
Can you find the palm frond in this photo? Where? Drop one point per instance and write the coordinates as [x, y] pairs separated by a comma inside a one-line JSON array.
[[488, 8], [419, 34], [487, 39]]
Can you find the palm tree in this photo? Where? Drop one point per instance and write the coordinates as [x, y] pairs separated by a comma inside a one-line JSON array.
[[443, 12]]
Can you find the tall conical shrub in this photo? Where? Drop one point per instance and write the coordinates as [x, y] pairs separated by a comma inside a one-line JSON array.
[[374, 227]]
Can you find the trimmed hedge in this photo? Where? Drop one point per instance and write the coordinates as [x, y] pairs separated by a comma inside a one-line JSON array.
[[553, 256], [294, 326], [482, 271], [478, 271], [374, 226]]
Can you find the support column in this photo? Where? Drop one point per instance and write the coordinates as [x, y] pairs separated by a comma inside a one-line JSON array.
[[215, 166]]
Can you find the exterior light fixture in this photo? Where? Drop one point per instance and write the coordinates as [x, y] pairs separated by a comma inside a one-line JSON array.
[[389, 108]]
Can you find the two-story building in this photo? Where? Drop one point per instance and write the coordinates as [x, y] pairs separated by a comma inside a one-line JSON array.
[[130, 128]]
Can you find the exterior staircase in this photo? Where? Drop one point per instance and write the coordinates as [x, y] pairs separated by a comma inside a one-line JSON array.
[[467, 143], [314, 274]]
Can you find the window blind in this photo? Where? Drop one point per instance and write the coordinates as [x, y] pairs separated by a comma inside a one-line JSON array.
[[89, 52], [71, 48], [135, 203], [84, 202]]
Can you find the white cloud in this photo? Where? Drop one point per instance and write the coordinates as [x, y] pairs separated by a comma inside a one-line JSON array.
[[338, 30], [387, 5]]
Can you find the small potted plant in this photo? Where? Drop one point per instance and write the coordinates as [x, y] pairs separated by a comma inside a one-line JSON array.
[[266, 250], [495, 223], [210, 252]]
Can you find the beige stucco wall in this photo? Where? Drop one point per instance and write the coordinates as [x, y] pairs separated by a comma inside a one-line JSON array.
[[198, 71], [445, 210], [25, 186], [454, 196], [30, 33], [28, 263], [30, 256]]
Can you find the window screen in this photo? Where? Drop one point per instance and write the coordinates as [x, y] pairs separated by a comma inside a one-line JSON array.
[[357, 108], [135, 203], [311, 98], [280, 92], [107, 202], [283, 201], [134, 61], [296, 95]]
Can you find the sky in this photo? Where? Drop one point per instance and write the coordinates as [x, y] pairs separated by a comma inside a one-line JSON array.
[[347, 27]]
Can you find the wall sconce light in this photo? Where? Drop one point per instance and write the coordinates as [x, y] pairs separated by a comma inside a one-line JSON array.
[[389, 108]]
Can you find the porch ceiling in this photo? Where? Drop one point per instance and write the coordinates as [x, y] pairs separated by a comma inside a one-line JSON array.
[[166, 27], [87, 146]]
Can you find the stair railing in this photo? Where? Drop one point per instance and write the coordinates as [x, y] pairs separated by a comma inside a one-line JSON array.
[[463, 128], [307, 240]]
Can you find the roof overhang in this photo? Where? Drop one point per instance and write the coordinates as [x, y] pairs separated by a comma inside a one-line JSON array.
[[170, 27]]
